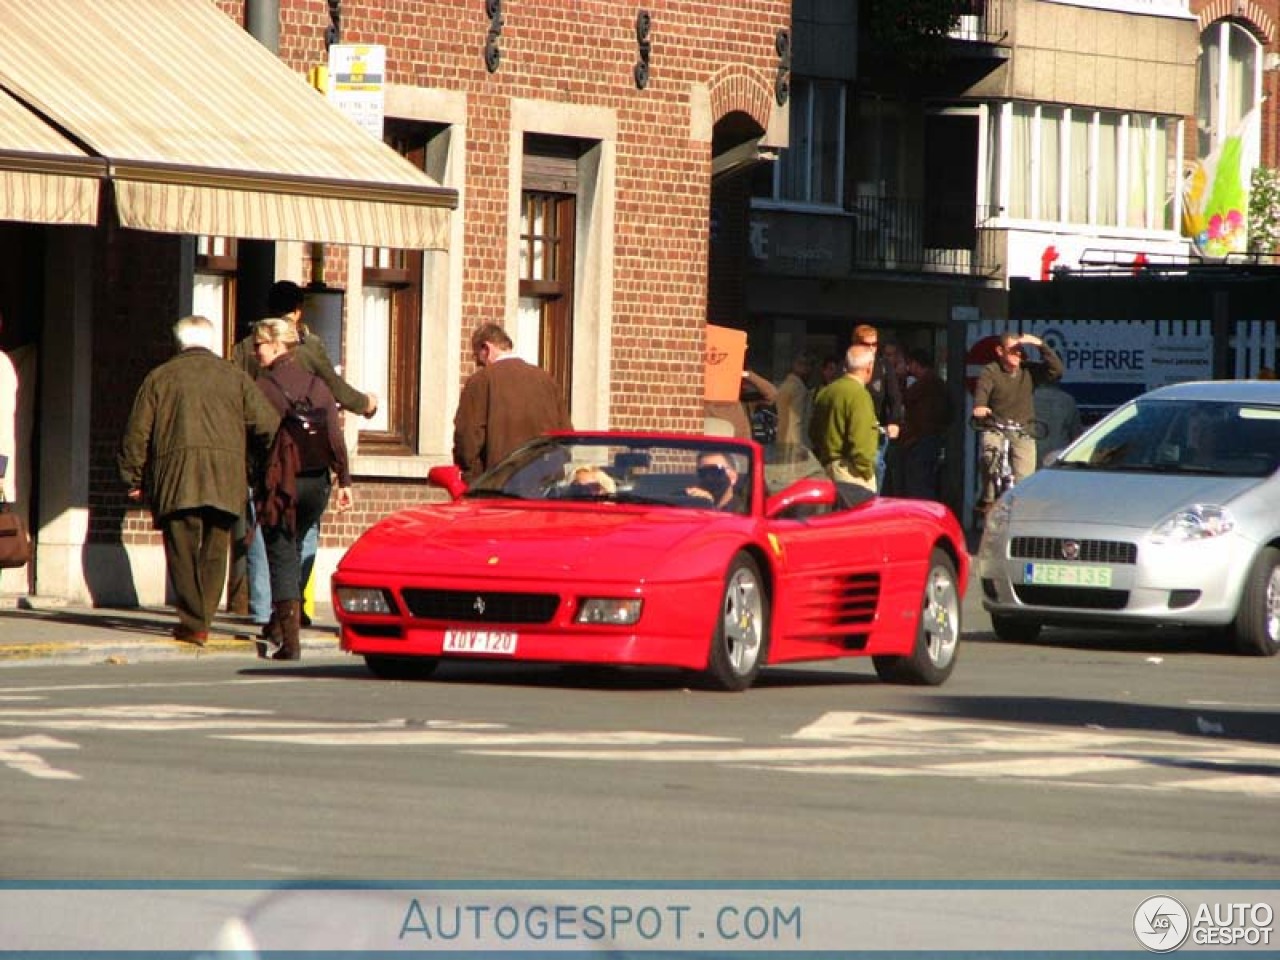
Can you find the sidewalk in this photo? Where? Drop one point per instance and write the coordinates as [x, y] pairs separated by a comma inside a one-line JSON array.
[[37, 631]]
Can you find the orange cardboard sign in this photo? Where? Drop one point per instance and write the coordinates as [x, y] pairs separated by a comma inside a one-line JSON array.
[[726, 357]]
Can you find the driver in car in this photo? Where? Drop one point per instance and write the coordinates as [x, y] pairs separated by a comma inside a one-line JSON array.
[[718, 482]]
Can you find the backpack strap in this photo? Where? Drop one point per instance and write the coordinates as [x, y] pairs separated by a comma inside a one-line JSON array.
[[294, 401]]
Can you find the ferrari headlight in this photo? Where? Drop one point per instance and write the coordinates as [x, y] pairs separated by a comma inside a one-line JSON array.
[[364, 600], [609, 610], [1199, 521]]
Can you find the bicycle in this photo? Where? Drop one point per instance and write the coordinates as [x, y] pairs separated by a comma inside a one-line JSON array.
[[997, 464]]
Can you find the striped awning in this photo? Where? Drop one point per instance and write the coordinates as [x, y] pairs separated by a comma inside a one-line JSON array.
[[44, 178], [199, 129]]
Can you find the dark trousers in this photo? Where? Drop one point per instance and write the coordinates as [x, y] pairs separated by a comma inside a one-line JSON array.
[[284, 546], [920, 468], [195, 548]]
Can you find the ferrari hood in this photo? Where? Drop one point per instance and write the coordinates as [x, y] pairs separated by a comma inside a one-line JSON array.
[[1119, 499], [578, 544]]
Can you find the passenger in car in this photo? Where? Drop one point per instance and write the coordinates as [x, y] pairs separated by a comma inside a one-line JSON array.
[[591, 481]]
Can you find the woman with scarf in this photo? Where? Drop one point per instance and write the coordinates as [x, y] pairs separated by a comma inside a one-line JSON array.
[[294, 489]]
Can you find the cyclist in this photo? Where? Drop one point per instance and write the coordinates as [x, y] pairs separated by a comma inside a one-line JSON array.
[[1006, 391]]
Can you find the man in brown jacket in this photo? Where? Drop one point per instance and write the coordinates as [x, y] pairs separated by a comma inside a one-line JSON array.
[[186, 441], [504, 404]]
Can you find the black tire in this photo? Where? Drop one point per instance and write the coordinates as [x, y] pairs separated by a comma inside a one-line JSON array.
[[933, 656], [400, 668], [1256, 631], [1014, 629], [740, 642]]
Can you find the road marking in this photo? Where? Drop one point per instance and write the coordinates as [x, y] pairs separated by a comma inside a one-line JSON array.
[[17, 754], [462, 738], [838, 743]]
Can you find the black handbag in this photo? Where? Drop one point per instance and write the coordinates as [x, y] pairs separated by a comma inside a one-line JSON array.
[[15, 543]]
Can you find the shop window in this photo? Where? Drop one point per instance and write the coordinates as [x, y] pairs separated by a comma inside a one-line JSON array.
[[214, 288], [390, 343], [391, 349]]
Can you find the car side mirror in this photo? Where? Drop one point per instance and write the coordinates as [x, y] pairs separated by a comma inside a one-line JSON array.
[[811, 493], [448, 477]]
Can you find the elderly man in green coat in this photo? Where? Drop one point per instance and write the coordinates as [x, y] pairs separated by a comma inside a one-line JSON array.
[[187, 443]]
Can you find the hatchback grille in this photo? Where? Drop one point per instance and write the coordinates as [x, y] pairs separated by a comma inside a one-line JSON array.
[[1091, 551], [479, 606], [1079, 598]]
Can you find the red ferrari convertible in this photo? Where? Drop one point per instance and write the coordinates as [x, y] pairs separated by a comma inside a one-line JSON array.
[[702, 553]]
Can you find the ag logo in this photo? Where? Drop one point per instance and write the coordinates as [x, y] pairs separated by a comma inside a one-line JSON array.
[[1161, 924]]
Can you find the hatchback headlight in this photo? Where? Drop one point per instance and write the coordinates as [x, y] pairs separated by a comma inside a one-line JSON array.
[[998, 516], [1200, 521], [609, 610], [364, 600]]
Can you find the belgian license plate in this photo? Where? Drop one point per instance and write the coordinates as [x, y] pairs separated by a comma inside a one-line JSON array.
[[1066, 575], [480, 641]]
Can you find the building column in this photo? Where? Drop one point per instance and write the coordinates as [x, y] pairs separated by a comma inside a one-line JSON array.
[[65, 386]]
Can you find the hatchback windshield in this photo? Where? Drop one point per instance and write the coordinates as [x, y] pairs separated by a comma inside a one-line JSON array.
[[1182, 436]]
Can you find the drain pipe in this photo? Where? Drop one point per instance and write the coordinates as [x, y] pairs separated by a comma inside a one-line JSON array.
[[262, 21]]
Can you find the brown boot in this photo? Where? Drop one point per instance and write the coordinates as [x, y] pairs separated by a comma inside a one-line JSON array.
[[270, 641], [287, 614]]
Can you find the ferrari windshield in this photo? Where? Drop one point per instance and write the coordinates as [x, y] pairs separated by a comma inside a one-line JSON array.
[[695, 473], [1182, 436]]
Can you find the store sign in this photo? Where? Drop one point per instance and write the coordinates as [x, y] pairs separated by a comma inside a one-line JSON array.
[[357, 74], [1126, 353]]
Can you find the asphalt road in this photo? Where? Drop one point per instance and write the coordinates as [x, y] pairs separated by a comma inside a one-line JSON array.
[[1097, 757]]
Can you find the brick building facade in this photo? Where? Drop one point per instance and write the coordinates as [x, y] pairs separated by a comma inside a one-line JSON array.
[[560, 147]]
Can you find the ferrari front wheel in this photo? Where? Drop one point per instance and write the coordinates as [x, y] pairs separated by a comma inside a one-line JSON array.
[[400, 668], [741, 638], [933, 656]]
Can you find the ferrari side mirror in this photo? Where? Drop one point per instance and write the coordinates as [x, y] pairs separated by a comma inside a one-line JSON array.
[[448, 477]]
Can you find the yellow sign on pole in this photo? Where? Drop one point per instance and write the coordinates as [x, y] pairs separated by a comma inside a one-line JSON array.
[[357, 73]]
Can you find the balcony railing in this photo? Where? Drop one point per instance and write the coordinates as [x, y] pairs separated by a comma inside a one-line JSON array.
[[910, 235], [981, 21], [877, 233]]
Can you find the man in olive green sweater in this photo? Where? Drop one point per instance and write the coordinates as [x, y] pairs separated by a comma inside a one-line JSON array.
[[843, 429]]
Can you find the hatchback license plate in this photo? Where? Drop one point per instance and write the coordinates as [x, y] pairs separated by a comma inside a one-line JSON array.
[[480, 641], [1066, 575]]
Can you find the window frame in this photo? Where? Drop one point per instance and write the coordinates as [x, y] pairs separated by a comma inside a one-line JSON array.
[[802, 106], [554, 290], [1015, 183]]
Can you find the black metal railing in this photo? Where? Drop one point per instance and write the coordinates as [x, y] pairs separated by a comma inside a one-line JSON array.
[[893, 233], [878, 233], [981, 21]]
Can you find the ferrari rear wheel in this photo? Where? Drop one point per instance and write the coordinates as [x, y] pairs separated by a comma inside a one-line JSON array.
[[741, 639], [400, 668], [1256, 630], [937, 637]]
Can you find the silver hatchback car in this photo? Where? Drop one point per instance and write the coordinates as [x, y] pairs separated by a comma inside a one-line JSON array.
[[1165, 512]]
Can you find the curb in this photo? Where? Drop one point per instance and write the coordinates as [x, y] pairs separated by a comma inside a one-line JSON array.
[[123, 651]]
